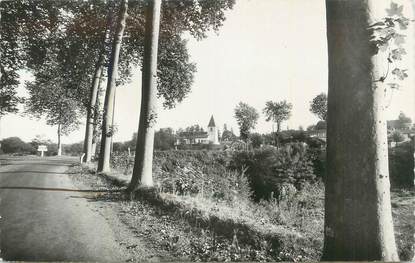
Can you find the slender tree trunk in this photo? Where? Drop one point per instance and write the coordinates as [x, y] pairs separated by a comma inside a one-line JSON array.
[[113, 119], [358, 218], [0, 124], [413, 83], [94, 93], [90, 119], [59, 140], [97, 118], [104, 155], [143, 164]]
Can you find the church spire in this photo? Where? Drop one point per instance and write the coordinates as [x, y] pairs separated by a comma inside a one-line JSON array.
[[211, 122]]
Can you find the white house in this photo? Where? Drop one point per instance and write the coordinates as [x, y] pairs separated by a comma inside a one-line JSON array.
[[200, 137]]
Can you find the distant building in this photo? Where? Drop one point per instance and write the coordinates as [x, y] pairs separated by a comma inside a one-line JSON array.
[[318, 131], [200, 136], [320, 134], [398, 125], [213, 132], [404, 128]]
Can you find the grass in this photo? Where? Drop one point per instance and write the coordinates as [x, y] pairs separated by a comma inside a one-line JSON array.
[[403, 211], [289, 229], [301, 218]]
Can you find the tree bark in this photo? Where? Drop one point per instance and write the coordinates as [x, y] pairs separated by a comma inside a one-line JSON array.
[[104, 155], [143, 163], [94, 94], [358, 218], [90, 119], [413, 81], [98, 106], [59, 140]]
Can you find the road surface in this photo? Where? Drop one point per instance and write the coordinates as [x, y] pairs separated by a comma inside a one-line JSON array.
[[45, 218]]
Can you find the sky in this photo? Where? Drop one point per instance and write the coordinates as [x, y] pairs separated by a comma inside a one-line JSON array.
[[266, 50]]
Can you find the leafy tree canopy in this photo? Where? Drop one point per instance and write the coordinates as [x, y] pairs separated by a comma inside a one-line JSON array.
[[246, 117], [48, 98], [164, 139], [74, 32], [15, 145], [277, 111], [318, 106], [404, 119]]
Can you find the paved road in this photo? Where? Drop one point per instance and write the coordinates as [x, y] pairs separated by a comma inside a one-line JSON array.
[[43, 219]]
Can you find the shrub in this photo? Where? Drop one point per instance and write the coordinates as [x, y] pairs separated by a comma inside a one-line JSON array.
[[401, 165], [269, 168], [16, 145], [202, 173], [256, 140], [74, 149], [122, 162]]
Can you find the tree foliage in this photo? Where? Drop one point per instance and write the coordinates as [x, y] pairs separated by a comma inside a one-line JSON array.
[[175, 71], [277, 111], [318, 106], [164, 139], [72, 30], [387, 36], [28, 29], [404, 121], [396, 136], [48, 98], [228, 136], [8, 99], [15, 145], [246, 117]]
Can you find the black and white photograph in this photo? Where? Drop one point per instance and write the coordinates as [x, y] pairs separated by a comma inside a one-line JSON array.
[[207, 130]]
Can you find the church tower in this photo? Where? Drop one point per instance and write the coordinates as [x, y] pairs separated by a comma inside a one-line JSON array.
[[212, 132]]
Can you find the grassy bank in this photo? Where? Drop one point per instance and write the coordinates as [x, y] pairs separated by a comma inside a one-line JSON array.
[[261, 205]]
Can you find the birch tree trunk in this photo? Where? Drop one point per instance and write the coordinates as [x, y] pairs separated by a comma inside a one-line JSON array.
[[59, 140], [143, 163], [107, 129], [358, 218], [90, 119]]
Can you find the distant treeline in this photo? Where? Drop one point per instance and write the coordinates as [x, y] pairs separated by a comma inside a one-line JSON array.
[[16, 146]]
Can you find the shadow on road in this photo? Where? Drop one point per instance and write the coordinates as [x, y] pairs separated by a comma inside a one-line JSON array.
[[62, 189], [32, 172], [38, 163], [106, 196]]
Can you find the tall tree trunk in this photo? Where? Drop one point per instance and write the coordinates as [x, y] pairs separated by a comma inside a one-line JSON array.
[[90, 119], [107, 129], [358, 218], [98, 106], [94, 93], [413, 82], [143, 163], [59, 140]]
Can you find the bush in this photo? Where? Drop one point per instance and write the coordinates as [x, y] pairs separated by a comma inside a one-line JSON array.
[[75, 149], [202, 173], [269, 168], [122, 162], [16, 145], [213, 174], [401, 165]]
